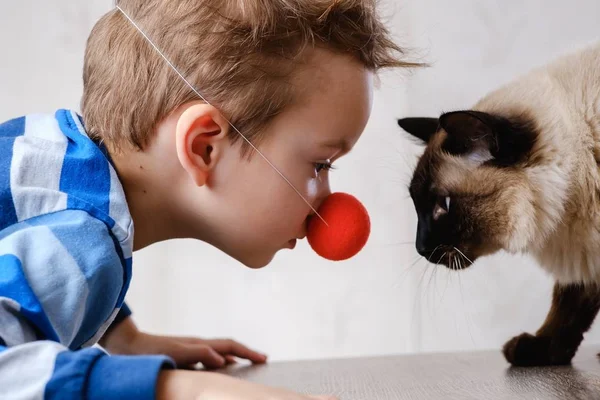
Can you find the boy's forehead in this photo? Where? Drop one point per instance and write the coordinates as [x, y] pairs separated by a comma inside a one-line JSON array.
[[326, 68], [335, 98]]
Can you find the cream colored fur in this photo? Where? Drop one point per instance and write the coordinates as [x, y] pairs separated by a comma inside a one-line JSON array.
[[555, 207]]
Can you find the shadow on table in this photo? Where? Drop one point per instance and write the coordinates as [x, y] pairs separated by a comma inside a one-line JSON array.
[[564, 382]]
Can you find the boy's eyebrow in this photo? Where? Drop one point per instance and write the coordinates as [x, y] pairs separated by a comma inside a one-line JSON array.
[[340, 144]]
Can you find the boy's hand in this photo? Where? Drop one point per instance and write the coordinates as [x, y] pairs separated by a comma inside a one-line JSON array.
[[125, 338], [175, 385], [187, 352]]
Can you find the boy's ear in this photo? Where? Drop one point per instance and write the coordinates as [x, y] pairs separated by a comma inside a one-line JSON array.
[[421, 128], [487, 137], [200, 139]]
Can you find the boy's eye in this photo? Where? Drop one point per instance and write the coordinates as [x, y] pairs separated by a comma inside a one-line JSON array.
[[325, 165]]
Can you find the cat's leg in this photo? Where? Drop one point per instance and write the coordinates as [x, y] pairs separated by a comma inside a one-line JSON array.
[[573, 310]]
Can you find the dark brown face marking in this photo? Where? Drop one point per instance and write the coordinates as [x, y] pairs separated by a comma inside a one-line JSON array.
[[453, 237], [488, 151], [509, 141]]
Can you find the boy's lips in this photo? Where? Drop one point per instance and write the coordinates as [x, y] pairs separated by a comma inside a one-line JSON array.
[[292, 242]]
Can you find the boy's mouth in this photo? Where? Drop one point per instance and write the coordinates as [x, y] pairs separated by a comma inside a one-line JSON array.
[[291, 244]]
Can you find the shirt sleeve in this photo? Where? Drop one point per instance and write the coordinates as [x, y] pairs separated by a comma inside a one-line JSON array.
[[123, 313], [60, 278]]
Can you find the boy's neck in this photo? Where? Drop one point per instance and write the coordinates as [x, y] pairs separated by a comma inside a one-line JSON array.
[[151, 194]]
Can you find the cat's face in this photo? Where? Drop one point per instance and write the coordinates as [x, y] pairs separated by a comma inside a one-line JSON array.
[[468, 187]]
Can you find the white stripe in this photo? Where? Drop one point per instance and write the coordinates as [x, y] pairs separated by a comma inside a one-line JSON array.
[[36, 168], [78, 123], [118, 208], [44, 126], [98, 335], [119, 212], [25, 370], [127, 244], [13, 329], [54, 277]]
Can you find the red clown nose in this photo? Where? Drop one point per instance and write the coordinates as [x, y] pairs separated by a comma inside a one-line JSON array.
[[347, 229]]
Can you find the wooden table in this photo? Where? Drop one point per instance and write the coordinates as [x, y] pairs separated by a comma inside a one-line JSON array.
[[478, 375]]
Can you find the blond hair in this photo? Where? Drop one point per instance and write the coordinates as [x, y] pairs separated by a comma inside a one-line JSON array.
[[238, 53]]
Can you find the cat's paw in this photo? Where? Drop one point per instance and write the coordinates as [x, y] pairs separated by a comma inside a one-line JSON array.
[[527, 350]]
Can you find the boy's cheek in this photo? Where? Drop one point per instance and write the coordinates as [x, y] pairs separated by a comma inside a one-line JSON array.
[[312, 188]]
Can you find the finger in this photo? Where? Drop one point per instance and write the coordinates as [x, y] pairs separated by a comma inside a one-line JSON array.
[[230, 360], [231, 347], [193, 354], [188, 340], [227, 347]]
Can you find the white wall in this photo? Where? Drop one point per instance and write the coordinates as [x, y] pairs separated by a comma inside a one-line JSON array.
[[302, 306]]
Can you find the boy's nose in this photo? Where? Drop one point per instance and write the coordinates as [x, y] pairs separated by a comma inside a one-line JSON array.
[[320, 199], [316, 204]]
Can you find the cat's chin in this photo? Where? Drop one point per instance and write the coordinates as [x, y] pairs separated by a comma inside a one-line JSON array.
[[452, 257]]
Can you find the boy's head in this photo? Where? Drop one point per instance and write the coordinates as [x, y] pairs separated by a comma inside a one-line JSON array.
[[294, 77]]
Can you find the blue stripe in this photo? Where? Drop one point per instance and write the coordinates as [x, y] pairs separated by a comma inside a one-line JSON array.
[[13, 128], [14, 285], [123, 313], [92, 246], [70, 375], [112, 377], [77, 204], [8, 132], [126, 280], [92, 374], [86, 171], [127, 271], [100, 145]]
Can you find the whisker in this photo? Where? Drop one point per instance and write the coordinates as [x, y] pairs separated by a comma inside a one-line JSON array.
[[418, 297], [419, 258], [463, 254], [397, 244], [435, 268], [466, 314], [406, 271], [432, 253], [440, 259], [446, 287], [435, 284], [443, 255]]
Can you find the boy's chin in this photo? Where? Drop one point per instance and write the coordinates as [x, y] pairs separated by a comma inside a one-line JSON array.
[[257, 261]]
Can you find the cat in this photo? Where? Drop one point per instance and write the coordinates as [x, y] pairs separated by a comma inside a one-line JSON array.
[[520, 172]]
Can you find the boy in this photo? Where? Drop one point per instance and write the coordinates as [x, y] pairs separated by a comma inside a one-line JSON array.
[[294, 76]]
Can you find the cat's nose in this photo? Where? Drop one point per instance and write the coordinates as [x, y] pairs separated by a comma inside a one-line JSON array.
[[422, 235], [422, 250]]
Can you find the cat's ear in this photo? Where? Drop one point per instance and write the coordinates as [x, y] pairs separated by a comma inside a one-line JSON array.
[[421, 128], [484, 137]]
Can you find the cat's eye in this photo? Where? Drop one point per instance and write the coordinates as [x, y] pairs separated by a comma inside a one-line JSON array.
[[441, 208]]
